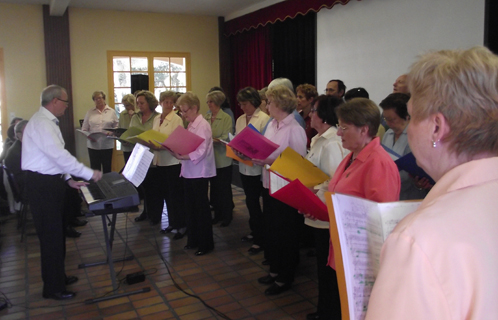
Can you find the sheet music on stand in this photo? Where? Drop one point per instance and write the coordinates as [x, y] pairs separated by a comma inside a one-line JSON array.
[[138, 164]]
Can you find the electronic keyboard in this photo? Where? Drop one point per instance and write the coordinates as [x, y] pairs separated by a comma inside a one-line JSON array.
[[110, 193]]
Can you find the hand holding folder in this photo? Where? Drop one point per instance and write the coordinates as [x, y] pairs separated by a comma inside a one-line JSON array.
[[292, 166], [128, 134], [231, 154]]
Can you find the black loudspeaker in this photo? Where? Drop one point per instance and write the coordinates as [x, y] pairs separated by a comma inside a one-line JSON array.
[[491, 26], [139, 82]]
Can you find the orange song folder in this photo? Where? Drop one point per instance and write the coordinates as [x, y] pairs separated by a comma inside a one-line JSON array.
[[232, 155]]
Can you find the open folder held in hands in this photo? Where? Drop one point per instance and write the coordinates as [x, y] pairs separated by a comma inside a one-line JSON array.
[[253, 144], [358, 229], [292, 166], [182, 141]]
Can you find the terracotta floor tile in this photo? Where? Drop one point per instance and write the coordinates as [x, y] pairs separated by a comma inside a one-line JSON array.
[[226, 278]]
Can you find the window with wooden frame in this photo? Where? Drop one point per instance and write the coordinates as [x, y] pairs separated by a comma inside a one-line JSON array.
[[163, 70]]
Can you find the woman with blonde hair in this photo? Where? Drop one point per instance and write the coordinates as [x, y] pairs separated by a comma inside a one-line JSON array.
[[197, 168], [221, 184], [166, 185], [440, 261], [282, 221]]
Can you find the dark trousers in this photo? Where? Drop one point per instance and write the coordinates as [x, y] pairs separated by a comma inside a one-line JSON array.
[[329, 303], [221, 194], [100, 159], [198, 214], [166, 185], [72, 204], [282, 241], [252, 188], [46, 201], [145, 191]]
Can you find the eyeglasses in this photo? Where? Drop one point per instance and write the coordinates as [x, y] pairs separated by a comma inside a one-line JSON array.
[[339, 127], [313, 110], [329, 90], [65, 101]]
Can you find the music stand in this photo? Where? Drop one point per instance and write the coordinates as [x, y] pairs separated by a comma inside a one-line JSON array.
[[109, 238]]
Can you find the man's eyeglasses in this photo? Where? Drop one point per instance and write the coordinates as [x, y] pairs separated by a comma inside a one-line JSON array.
[[65, 101]]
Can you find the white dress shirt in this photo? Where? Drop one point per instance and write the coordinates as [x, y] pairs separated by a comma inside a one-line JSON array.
[[96, 121], [326, 152], [43, 148]]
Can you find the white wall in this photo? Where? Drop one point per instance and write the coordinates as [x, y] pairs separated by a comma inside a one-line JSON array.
[[370, 43]]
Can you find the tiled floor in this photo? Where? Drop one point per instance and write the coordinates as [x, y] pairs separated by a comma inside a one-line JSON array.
[[226, 279]]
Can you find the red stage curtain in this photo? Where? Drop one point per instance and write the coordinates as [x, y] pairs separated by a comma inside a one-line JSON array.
[[251, 62], [277, 12]]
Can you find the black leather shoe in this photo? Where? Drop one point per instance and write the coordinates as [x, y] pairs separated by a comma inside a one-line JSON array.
[[188, 247], [275, 289], [71, 233], [70, 280], [225, 223], [265, 262], [266, 279], [141, 218], [314, 316], [78, 223], [64, 295], [179, 235], [167, 230], [254, 250], [202, 252], [85, 213]]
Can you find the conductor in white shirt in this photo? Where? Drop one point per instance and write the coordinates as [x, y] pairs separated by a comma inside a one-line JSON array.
[[48, 167]]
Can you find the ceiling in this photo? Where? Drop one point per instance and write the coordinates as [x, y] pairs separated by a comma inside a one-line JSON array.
[[221, 8]]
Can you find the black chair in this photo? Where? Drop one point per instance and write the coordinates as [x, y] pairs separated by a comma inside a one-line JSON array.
[[19, 198]]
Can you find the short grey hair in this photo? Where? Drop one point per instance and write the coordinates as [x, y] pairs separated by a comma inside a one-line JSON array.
[[19, 128], [50, 93], [281, 82]]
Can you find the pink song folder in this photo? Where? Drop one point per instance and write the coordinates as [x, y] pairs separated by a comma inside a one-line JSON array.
[[182, 141], [253, 144]]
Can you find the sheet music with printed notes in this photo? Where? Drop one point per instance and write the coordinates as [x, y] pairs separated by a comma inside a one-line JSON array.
[[137, 166], [359, 228]]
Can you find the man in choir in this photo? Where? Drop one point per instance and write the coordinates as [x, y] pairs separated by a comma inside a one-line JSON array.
[[48, 166], [401, 85], [335, 88]]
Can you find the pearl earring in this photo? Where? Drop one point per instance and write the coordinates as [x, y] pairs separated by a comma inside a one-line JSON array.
[[434, 143]]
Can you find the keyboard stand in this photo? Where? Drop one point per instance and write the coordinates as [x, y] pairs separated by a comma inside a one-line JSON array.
[[109, 238]]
